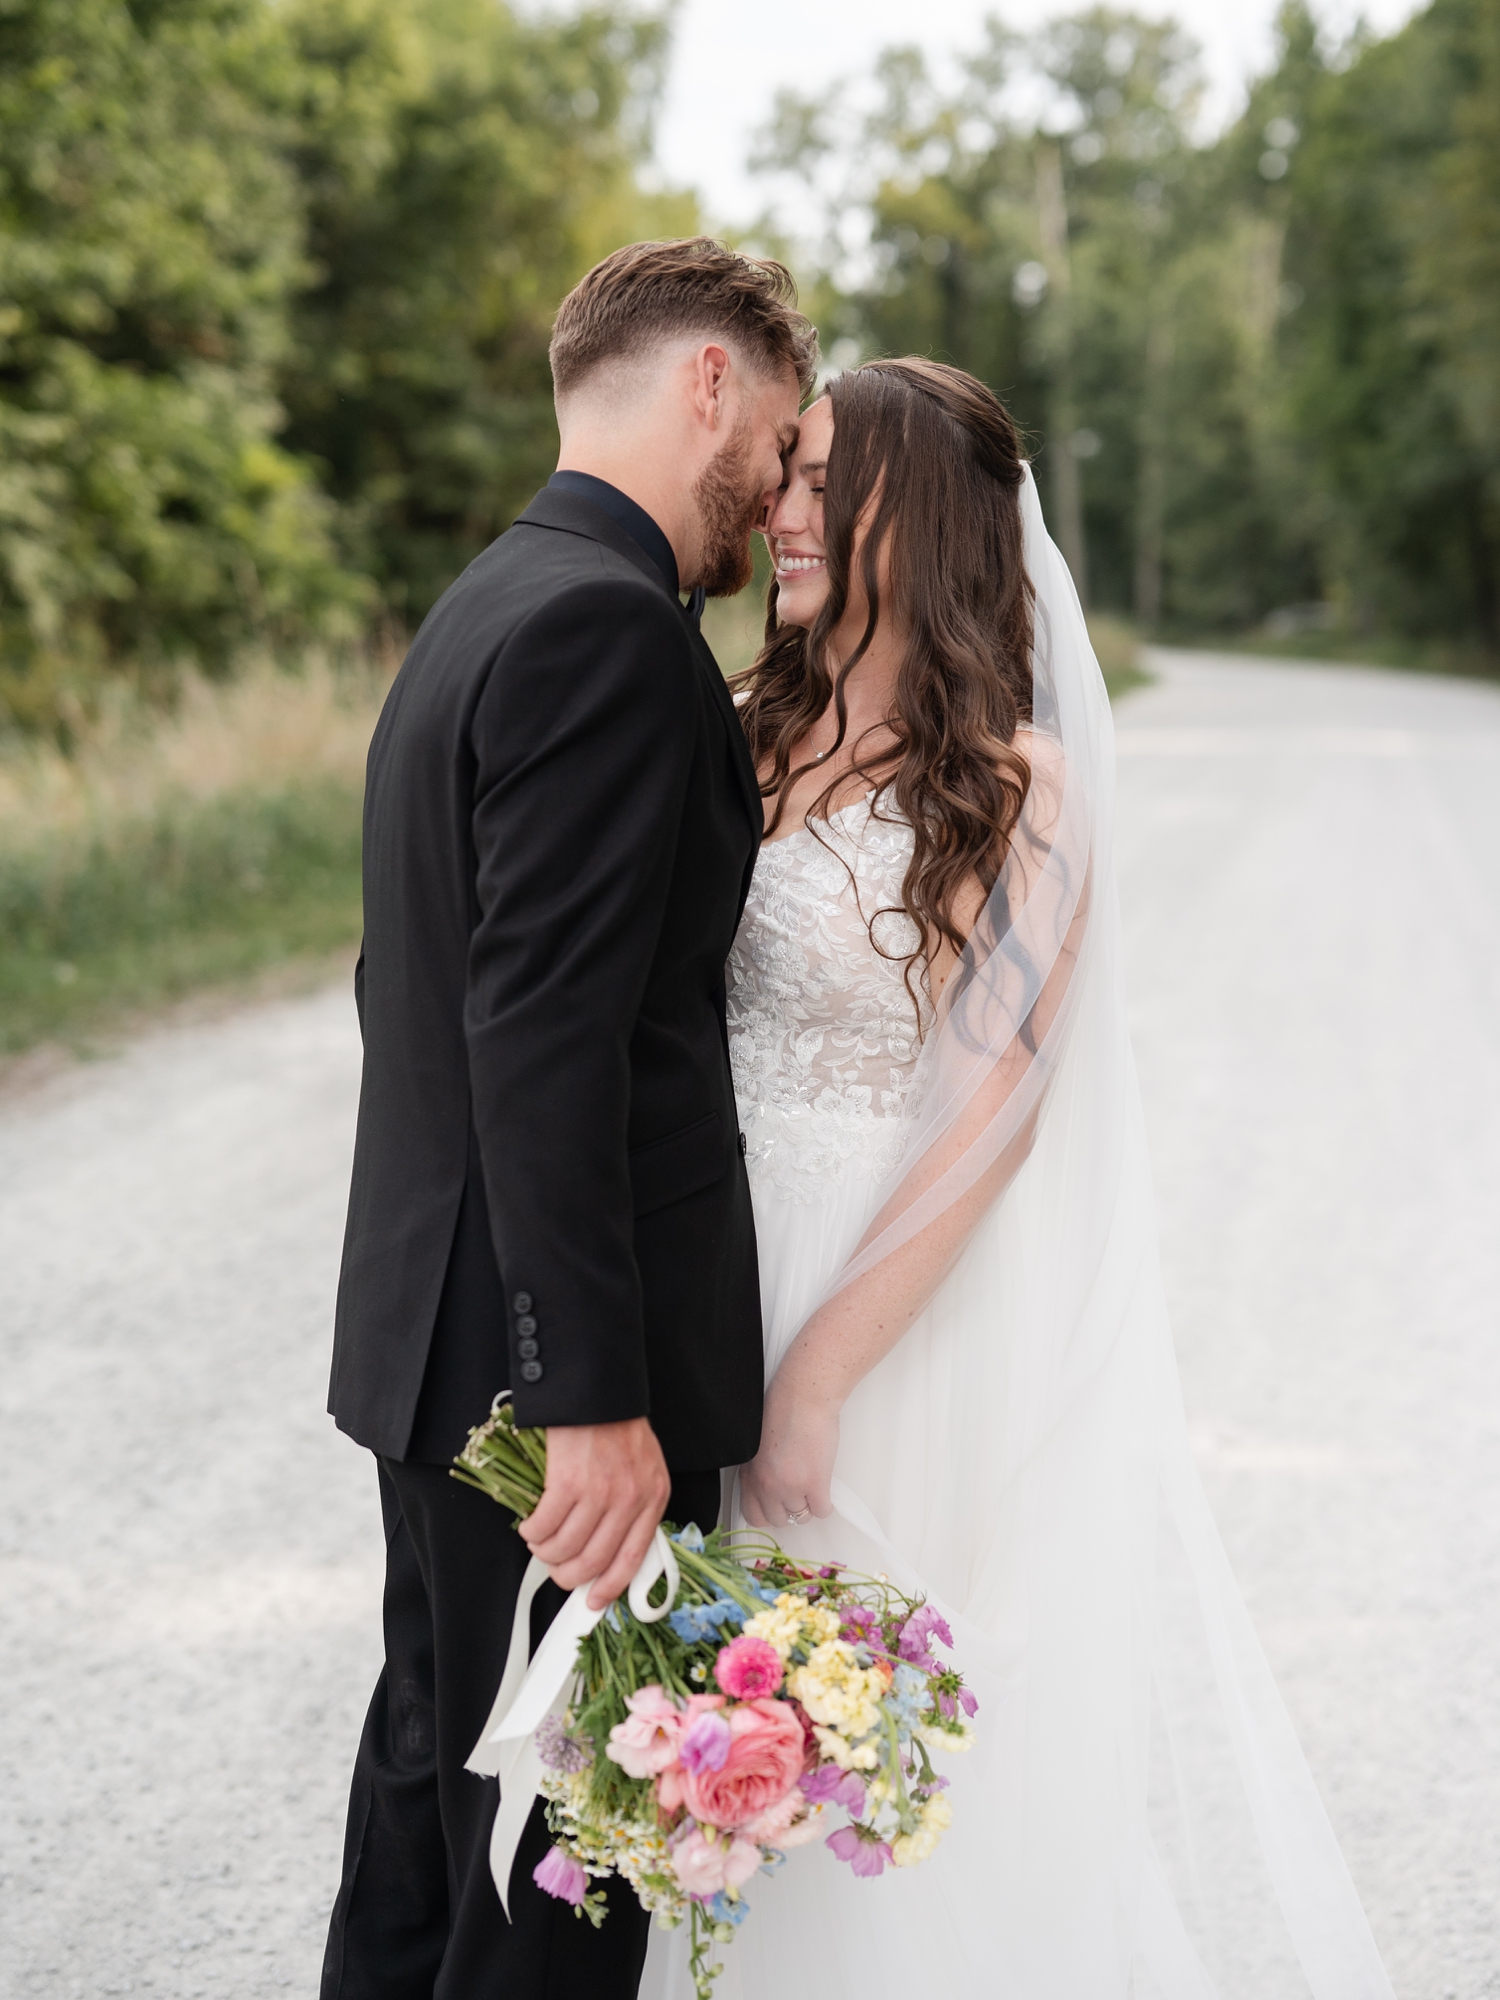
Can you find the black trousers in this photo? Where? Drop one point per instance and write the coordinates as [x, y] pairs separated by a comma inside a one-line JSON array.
[[417, 1915]]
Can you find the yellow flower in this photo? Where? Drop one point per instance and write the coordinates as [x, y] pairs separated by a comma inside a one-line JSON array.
[[935, 1817], [792, 1621], [955, 1736], [835, 1689], [848, 1756]]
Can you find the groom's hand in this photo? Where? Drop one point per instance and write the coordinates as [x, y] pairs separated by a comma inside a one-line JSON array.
[[607, 1487]]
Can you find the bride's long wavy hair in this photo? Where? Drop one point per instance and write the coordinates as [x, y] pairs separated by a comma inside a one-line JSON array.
[[931, 459]]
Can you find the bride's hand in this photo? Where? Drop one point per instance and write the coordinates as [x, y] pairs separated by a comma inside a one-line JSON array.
[[788, 1479]]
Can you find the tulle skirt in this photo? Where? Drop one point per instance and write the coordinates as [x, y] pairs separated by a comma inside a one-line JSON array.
[[1135, 1820]]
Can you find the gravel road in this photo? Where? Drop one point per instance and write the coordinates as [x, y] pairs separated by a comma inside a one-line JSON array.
[[1310, 873]]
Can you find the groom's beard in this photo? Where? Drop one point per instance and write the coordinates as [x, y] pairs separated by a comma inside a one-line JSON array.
[[729, 513]]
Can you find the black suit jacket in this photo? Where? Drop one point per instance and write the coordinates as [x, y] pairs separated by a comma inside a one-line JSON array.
[[561, 819]]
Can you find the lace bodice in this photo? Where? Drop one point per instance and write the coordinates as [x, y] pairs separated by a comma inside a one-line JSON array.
[[823, 1035]]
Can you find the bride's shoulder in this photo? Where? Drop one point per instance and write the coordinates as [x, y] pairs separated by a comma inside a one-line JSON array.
[[1040, 753]]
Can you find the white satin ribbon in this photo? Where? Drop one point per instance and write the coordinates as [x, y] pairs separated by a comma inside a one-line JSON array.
[[527, 1695]]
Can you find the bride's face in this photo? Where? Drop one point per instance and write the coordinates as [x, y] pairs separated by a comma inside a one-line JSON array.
[[794, 527]]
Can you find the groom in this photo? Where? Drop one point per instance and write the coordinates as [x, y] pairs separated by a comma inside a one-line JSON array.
[[561, 818]]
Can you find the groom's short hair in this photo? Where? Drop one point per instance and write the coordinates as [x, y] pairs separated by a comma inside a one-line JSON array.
[[649, 293]]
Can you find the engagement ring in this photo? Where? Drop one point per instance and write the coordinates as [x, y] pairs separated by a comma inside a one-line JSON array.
[[796, 1520]]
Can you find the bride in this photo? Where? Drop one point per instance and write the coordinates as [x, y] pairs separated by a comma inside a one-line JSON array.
[[970, 1379]]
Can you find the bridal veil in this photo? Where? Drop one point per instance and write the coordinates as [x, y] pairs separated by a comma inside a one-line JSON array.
[[1137, 1821]]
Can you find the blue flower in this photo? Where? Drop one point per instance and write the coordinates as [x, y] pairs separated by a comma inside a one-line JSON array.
[[696, 1623], [690, 1537], [908, 1696], [723, 1911]]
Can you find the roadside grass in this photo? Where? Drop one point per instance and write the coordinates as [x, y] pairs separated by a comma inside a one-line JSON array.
[[1117, 648], [1343, 648], [171, 853]]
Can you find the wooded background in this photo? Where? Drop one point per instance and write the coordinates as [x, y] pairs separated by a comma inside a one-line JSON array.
[[276, 283]]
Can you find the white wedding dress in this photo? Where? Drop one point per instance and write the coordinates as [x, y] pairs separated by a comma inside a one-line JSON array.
[[1136, 1821]]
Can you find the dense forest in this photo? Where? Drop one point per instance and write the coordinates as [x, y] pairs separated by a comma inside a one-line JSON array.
[[1263, 373], [276, 282]]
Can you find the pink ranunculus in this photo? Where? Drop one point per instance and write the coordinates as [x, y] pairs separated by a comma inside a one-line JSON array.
[[763, 1763], [747, 1667], [865, 1857], [561, 1875], [704, 1863], [646, 1741]]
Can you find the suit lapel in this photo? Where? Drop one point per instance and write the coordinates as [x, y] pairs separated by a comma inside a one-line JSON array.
[[739, 755]]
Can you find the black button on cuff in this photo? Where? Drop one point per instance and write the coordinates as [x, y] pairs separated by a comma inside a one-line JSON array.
[[521, 1303], [528, 1349], [526, 1325], [531, 1371]]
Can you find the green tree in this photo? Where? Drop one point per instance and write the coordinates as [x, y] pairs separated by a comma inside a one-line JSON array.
[[150, 234], [462, 166], [1391, 195]]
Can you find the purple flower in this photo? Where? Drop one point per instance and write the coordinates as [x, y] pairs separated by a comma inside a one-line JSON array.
[[865, 1852], [829, 1786], [561, 1876], [860, 1626], [967, 1702], [948, 1707], [705, 1747], [924, 1623], [557, 1749]]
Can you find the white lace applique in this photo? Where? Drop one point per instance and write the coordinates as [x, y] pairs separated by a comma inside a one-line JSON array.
[[823, 1034]]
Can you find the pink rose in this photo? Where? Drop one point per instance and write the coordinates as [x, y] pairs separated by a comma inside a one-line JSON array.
[[671, 1783], [705, 1862], [770, 1827], [762, 1764], [747, 1667], [646, 1742], [705, 1745], [803, 1830]]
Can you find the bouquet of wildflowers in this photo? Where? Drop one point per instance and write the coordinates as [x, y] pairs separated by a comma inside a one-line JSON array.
[[772, 1706]]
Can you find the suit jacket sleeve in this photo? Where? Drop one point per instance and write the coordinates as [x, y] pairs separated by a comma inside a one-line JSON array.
[[582, 739]]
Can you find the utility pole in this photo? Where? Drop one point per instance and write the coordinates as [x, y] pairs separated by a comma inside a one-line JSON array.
[[1052, 219]]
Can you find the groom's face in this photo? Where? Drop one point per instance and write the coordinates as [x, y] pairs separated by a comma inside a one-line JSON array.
[[736, 488]]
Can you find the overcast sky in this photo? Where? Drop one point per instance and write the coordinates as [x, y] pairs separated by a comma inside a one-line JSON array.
[[729, 60]]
